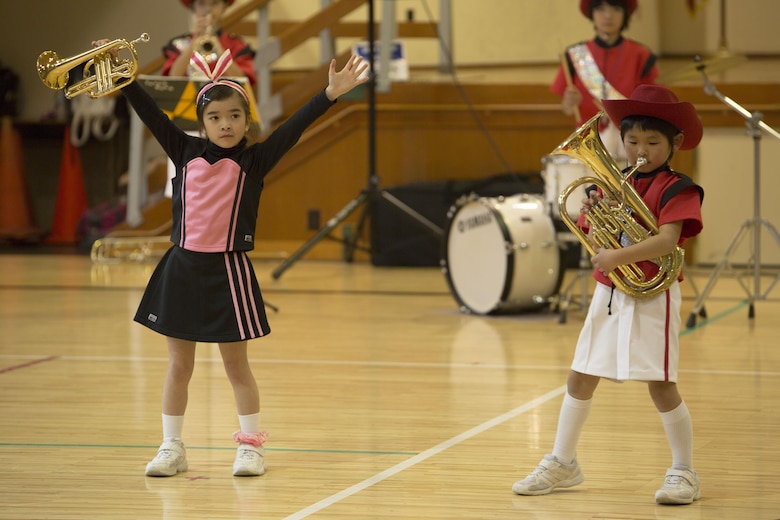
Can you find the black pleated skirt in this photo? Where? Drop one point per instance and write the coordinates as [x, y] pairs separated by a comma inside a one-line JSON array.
[[206, 297]]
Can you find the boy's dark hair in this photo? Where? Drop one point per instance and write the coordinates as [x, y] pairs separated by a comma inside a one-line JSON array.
[[648, 123], [615, 3]]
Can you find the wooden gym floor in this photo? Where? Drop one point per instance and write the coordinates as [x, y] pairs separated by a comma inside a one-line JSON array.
[[382, 400]]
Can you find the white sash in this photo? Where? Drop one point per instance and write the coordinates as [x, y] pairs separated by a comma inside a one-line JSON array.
[[599, 88], [590, 74]]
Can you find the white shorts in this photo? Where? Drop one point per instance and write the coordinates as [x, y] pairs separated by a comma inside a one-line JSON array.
[[638, 341]]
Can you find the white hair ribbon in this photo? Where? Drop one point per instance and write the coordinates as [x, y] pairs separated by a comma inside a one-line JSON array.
[[215, 76]]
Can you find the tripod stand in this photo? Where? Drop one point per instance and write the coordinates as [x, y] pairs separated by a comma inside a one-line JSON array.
[[755, 125], [368, 196]]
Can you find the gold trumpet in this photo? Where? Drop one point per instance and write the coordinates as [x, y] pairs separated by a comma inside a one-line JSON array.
[[208, 45], [102, 68], [630, 218]]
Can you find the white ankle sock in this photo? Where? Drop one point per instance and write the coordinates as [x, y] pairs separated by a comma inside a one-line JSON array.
[[249, 423], [172, 426], [574, 413], [679, 431]]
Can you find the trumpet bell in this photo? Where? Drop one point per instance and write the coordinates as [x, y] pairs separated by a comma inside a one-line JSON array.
[[46, 62]]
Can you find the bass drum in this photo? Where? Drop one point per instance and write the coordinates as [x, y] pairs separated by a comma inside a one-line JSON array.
[[501, 254], [559, 172]]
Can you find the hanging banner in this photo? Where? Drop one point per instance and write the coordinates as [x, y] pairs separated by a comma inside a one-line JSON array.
[[399, 67]]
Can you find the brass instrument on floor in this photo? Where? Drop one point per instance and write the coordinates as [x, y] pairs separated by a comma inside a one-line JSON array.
[[609, 223], [134, 248], [102, 68]]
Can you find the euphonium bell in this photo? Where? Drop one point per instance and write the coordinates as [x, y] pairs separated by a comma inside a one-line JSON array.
[[630, 220], [102, 70]]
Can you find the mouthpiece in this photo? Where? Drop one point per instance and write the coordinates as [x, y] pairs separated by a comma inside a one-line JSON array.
[[640, 161]]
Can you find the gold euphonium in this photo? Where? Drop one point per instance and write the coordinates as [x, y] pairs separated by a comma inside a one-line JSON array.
[[630, 217], [102, 71]]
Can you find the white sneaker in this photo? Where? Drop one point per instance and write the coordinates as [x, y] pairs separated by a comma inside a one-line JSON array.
[[171, 459], [548, 475], [249, 462], [681, 486]]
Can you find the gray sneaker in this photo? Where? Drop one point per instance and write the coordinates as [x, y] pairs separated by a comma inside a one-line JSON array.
[[681, 486], [548, 475], [171, 459]]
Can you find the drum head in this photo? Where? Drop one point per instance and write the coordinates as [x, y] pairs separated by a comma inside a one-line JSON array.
[[476, 257], [501, 254]]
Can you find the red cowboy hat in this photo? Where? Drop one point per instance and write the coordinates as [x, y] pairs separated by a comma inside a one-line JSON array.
[[188, 3], [585, 6], [659, 102]]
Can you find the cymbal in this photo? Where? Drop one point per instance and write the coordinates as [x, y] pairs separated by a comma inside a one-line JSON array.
[[713, 65]]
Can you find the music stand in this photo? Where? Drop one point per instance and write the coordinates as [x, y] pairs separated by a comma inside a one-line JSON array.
[[755, 125], [368, 196]]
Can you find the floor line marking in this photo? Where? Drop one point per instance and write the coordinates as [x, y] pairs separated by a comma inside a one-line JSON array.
[[380, 364], [420, 457], [28, 364], [707, 321], [203, 448]]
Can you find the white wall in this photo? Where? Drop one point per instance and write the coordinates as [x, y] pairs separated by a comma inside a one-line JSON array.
[[727, 172], [484, 31], [750, 27]]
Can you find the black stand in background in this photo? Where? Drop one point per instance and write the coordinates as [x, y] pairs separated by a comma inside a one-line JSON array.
[[755, 125], [367, 196]]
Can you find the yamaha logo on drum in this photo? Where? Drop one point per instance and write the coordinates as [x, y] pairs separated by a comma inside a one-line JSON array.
[[475, 221]]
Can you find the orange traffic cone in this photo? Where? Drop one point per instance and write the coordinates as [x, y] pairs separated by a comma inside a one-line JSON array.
[[16, 222], [71, 195]]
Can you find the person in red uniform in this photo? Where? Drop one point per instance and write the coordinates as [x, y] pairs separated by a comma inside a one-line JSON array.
[[610, 66], [635, 337], [209, 40]]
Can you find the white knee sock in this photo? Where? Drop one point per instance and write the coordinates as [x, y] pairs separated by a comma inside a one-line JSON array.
[[679, 431], [250, 423], [172, 426], [574, 413]]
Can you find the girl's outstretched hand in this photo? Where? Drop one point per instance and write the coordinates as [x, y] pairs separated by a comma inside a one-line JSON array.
[[346, 79]]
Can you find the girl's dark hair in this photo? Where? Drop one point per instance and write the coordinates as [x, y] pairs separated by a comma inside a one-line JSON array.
[[615, 3], [648, 123], [218, 93]]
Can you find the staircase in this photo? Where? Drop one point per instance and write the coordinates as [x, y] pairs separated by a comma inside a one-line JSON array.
[[424, 131]]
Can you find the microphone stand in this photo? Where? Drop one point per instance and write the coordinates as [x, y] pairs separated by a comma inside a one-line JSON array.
[[755, 126], [369, 196]]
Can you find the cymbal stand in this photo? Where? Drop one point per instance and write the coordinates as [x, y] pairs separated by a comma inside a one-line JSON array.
[[755, 126]]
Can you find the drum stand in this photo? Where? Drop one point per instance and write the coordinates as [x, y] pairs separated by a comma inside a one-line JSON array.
[[754, 124], [565, 299]]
